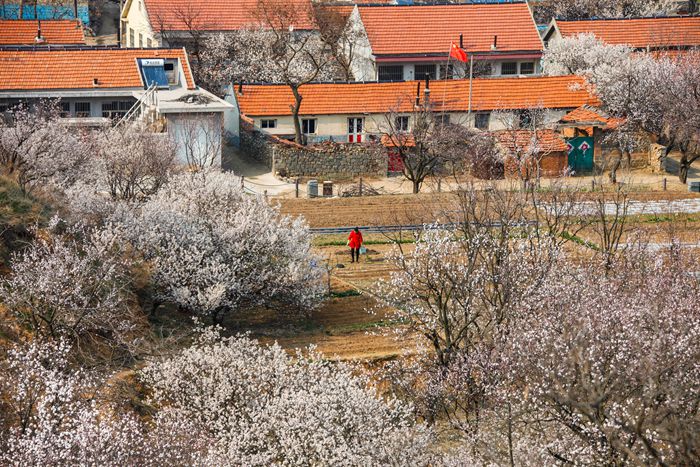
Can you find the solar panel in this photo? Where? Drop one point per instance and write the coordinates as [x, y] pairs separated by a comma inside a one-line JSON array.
[[153, 72]]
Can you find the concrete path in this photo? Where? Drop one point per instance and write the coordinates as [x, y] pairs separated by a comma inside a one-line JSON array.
[[108, 32], [257, 176]]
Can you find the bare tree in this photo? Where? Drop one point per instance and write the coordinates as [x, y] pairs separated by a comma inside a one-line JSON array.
[[187, 28], [292, 57], [610, 223], [133, 162], [526, 141], [428, 145], [200, 140], [341, 38]]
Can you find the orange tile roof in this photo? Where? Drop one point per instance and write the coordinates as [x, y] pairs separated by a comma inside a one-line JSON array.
[[216, 15], [425, 29], [54, 32], [546, 141], [76, 69], [677, 31], [590, 116], [566, 92]]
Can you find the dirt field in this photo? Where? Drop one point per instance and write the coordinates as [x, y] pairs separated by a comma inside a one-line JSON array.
[[343, 328], [407, 209]]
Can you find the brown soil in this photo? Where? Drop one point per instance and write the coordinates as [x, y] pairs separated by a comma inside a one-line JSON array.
[[407, 209]]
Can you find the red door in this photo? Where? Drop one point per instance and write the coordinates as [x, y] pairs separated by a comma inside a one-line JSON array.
[[395, 163]]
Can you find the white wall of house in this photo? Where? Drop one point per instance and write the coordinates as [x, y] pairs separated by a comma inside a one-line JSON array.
[[521, 67], [363, 65], [197, 135], [136, 27], [336, 126]]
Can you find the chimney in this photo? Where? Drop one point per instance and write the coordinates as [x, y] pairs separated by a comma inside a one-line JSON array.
[[461, 41], [75, 8], [240, 89], [39, 39], [418, 94], [494, 46], [95, 82]]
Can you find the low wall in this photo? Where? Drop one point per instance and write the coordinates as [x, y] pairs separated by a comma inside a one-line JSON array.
[[257, 146], [551, 165], [329, 159]]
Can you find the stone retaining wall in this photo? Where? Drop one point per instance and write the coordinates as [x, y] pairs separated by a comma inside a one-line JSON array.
[[256, 145], [333, 160]]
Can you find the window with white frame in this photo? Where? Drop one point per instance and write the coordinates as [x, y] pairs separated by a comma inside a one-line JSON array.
[[527, 68], [482, 120], [308, 126], [509, 68], [268, 123], [132, 41], [82, 109], [401, 123], [140, 40], [116, 109], [420, 71], [390, 73]]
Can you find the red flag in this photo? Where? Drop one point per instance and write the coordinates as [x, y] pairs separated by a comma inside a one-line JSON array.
[[457, 53]]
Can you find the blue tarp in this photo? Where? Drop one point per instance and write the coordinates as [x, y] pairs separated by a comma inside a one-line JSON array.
[[47, 12]]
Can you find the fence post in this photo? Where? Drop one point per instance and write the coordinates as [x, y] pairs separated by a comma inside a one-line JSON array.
[[265, 194], [439, 185], [360, 186], [664, 183], [242, 185], [296, 186], [593, 185]]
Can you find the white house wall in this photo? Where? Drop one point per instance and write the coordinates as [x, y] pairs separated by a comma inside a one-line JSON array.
[[137, 21], [336, 126], [363, 66], [198, 132]]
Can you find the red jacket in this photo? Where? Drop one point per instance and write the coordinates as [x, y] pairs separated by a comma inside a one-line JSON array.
[[355, 239]]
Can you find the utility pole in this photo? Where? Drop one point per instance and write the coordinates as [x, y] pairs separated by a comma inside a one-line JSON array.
[[119, 19]]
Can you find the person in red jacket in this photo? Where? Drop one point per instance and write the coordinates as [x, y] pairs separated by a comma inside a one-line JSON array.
[[355, 242]]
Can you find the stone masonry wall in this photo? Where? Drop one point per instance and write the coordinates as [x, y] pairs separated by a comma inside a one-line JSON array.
[[256, 145], [329, 159]]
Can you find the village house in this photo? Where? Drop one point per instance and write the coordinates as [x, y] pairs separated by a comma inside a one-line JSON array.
[[407, 42], [530, 154], [673, 33], [358, 112], [104, 86], [586, 130], [162, 23], [46, 32]]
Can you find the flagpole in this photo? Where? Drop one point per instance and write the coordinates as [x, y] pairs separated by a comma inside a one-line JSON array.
[[471, 78], [444, 87]]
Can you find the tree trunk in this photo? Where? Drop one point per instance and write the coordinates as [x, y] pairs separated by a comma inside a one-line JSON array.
[[299, 137], [683, 171], [613, 170], [416, 186], [685, 163]]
